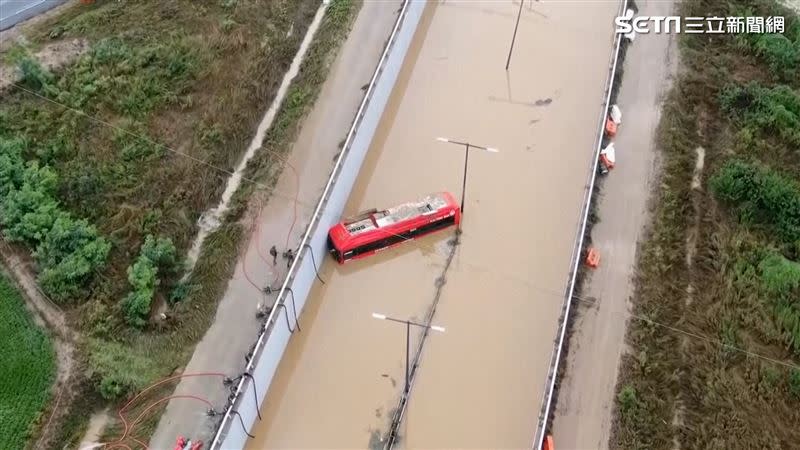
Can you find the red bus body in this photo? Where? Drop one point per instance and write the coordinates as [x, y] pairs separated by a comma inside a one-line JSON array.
[[373, 231]]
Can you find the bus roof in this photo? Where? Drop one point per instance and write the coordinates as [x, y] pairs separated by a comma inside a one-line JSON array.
[[399, 213]]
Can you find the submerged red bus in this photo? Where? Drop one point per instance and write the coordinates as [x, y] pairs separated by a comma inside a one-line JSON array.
[[373, 231]]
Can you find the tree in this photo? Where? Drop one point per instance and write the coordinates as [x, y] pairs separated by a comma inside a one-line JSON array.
[[142, 277], [70, 253], [161, 251], [28, 212], [12, 165]]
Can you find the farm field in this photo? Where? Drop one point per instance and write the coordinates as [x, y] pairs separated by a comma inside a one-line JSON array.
[[27, 369], [714, 358]]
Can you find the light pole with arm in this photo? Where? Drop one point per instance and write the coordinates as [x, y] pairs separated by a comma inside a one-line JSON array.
[[467, 147], [408, 324]]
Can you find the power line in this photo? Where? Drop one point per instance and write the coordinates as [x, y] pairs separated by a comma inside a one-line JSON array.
[[158, 144]]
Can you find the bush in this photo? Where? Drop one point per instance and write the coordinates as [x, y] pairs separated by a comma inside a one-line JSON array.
[[33, 74], [779, 52], [117, 370], [68, 251], [161, 251], [142, 277], [628, 401], [780, 278], [69, 254], [12, 165], [794, 382], [779, 275], [760, 196], [28, 212], [156, 254], [771, 110]]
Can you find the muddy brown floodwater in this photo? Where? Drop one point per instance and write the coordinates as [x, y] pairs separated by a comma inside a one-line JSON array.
[[480, 384]]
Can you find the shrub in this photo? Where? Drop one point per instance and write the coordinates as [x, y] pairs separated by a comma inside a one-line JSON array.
[[33, 74], [780, 278], [794, 382], [760, 195], [156, 254], [142, 277], [771, 110], [69, 254], [161, 251], [12, 165], [117, 370], [628, 400], [779, 52], [29, 211], [179, 292], [779, 275]]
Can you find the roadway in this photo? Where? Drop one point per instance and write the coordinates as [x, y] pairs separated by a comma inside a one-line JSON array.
[[480, 384], [14, 11]]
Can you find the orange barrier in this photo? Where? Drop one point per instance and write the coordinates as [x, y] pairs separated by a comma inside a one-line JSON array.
[[611, 127], [548, 443], [593, 258]]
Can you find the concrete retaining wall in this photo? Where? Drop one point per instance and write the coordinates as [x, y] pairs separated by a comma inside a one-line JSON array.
[[251, 391]]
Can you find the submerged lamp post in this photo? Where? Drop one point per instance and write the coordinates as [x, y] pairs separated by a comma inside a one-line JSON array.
[[468, 146], [408, 324]]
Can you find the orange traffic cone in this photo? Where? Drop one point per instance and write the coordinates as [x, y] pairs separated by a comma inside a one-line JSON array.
[[548, 443], [593, 258], [611, 128]]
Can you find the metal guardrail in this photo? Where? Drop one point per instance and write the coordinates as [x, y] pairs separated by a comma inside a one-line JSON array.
[[550, 381], [227, 421]]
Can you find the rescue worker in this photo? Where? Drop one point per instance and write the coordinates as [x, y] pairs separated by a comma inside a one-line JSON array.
[[274, 252]]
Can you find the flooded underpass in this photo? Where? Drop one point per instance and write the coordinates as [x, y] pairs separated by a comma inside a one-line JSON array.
[[480, 383]]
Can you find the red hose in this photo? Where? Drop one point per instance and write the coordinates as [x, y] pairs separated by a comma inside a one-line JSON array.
[[156, 403], [144, 446], [165, 380]]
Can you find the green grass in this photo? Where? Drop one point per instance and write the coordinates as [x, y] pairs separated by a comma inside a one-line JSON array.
[[27, 370], [736, 97]]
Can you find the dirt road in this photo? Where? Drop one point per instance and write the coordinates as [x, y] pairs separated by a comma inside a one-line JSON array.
[[481, 382], [235, 328], [586, 396]]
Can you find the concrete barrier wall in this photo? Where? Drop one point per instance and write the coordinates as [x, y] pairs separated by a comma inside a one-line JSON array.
[[243, 410]]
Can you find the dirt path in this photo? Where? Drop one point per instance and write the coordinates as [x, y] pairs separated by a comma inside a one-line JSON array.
[[235, 328], [49, 316], [52, 56], [586, 396]]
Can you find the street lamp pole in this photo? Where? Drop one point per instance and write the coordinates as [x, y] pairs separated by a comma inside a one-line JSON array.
[[464, 178], [408, 324], [514, 38], [467, 147]]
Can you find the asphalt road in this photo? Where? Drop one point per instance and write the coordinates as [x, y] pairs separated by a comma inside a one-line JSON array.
[[14, 11]]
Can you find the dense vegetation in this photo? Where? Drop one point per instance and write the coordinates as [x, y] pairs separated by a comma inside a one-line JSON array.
[[95, 182], [722, 262], [25, 374]]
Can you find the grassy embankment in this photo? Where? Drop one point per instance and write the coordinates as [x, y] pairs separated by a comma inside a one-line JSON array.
[[722, 261], [27, 369], [161, 75]]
